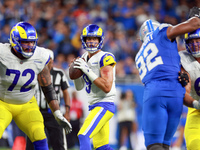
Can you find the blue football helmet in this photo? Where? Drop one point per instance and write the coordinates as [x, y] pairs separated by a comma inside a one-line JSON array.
[[23, 31], [92, 30], [193, 47], [147, 27]]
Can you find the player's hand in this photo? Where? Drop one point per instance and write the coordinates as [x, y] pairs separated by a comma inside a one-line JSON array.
[[62, 121], [196, 104], [183, 78], [194, 12], [81, 64]]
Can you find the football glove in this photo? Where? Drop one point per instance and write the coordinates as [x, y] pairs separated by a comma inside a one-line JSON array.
[[81, 64], [196, 104], [183, 78], [62, 121], [195, 11]]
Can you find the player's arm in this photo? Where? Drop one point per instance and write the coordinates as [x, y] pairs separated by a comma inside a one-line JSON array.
[[182, 28], [79, 83], [44, 79], [67, 104], [104, 82], [188, 100]]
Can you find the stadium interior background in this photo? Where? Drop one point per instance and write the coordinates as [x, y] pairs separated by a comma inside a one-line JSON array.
[[59, 24]]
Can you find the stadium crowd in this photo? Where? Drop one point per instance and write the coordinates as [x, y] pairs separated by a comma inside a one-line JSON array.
[[59, 24]]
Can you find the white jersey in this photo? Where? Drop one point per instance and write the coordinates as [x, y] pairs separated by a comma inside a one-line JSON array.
[[96, 62], [192, 66], [19, 77]]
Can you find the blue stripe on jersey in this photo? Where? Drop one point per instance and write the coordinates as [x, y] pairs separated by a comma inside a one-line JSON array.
[[150, 26], [100, 116], [101, 60], [107, 105], [47, 60]]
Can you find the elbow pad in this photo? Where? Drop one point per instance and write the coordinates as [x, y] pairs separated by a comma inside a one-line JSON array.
[[49, 93]]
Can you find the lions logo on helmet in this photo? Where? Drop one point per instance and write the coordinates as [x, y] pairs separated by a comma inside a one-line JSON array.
[[23, 31], [190, 46], [92, 30], [147, 27]]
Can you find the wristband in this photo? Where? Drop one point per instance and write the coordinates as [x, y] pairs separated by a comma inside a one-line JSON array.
[[57, 113], [195, 104], [91, 75], [67, 106]]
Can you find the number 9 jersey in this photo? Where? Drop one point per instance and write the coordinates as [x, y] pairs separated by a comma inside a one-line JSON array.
[[158, 57], [19, 77], [96, 62]]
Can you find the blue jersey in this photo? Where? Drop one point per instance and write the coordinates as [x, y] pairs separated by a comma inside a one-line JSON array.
[[158, 57]]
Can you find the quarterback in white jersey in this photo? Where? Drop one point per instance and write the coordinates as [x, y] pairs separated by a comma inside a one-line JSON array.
[[22, 63], [99, 82], [190, 60]]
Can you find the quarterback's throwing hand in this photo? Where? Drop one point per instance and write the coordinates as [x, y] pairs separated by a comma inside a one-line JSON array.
[[81, 64], [62, 121]]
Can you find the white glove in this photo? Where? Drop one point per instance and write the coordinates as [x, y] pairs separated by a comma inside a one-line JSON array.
[[62, 121], [81, 64], [196, 104]]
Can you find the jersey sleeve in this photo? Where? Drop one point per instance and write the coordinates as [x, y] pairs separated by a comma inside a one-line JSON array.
[[107, 59]]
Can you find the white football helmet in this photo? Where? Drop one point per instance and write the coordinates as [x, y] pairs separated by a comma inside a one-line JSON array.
[[147, 27]]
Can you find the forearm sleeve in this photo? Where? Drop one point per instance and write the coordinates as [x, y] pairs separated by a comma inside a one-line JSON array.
[[49, 92], [79, 83]]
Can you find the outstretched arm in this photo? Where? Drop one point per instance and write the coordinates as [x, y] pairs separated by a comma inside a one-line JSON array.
[[182, 28], [44, 79], [188, 100]]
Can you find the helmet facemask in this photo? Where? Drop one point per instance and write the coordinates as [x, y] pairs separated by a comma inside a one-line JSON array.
[[192, 43], [92, 31], [23, 32]]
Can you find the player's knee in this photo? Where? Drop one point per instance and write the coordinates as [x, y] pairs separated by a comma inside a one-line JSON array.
[[157, 146], [194, 145], [38, 134]]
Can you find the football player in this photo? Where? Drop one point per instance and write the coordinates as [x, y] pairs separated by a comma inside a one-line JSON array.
[[158, 63], [190, 59], [22, 63], [99, 82]]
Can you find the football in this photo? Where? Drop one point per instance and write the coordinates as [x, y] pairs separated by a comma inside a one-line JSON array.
[[74, 73]]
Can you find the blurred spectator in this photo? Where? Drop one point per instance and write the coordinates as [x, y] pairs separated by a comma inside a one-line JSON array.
[[127, 119], [58, 22], [5, 34], [76, 113]]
